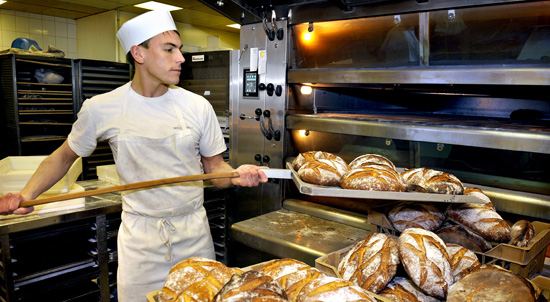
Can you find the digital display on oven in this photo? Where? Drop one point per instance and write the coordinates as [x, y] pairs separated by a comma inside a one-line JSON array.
[[250, 83]]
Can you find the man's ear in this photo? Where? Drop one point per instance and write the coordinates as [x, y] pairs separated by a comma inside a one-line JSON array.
[[137, 53]]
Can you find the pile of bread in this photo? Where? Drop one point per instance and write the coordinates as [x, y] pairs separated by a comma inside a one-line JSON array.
[[372, 172], [203, 280]]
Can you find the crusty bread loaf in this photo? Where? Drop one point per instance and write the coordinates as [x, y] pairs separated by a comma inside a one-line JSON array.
[[328, 289], [491, 283], [305, 157], [422, 215], [205, 289], [371, 263], [191, 271], [402, 289], [280, 267], [371, 159], [425, 258], [248, 286], [372, 178], [294, 282], [522, 232], [480, 218], [479, 194], [324, 172], [432, 181], [463, 261], [459, 234]]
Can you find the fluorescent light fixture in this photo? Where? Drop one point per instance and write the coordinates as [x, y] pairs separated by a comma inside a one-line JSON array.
[[153, 5], [237, 26], [2, 2]]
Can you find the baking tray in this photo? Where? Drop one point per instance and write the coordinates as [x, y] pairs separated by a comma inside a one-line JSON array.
[[327, 191]]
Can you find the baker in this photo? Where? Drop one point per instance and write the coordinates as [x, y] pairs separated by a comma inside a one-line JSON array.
[[155, 130]]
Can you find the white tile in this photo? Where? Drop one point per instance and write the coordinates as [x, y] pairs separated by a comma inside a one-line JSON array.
[[48, 40], [2, 47], [71, 47], [21, 14], [7, 12], [71, 55], [35, 16], [61, 29], [71, 31], [8, 23], [0, 27], [21, 23], [49, 18], [22, 34], [7, 38], [35, 26], [38, 39], [62, 43], [48, 28], [60, 20], [71, 21]]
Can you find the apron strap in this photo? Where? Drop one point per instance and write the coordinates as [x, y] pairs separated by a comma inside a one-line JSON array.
[[164, 235]]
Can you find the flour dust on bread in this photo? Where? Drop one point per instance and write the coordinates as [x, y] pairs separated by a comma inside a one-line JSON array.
[[432, 181], [308, 156], [422, 215], [521, 233], [366, 160], [373, 178], [463, 261], [458, 234], [251, 286], [324, 172], [402, 289], [331, 289]]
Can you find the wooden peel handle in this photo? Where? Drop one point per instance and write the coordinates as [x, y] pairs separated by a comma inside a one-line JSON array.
[[132, 186]]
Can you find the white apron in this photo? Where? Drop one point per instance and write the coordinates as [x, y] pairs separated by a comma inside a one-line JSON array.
[[160, 226]]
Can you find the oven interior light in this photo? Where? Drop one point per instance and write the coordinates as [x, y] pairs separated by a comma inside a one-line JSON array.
[[303, 133], [306, 90], [307, 37]]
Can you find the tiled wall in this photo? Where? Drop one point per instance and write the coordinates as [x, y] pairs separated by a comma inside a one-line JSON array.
[[46, 30]]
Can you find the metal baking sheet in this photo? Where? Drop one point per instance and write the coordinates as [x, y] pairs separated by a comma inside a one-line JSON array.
[[318, 190]]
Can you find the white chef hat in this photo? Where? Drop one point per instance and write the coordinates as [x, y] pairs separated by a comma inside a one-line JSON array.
[[144, 27]]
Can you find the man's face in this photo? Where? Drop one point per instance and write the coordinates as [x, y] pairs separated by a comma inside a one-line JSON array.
[[163, 58]]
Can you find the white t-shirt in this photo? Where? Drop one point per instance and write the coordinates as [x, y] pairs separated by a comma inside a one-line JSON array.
[[101, 116]]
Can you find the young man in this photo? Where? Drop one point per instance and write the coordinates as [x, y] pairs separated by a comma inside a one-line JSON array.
[[156, 131]]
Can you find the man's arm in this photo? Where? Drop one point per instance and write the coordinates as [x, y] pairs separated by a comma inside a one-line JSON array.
[[50, 171], [249, 175]]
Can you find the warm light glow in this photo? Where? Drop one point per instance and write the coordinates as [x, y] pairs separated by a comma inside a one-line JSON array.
[[2, 2], [306, 90], [307, 37], [303, 133], [237, 26], [153, 5]]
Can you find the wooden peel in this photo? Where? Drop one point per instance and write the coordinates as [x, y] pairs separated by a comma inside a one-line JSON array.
[[132, 186]]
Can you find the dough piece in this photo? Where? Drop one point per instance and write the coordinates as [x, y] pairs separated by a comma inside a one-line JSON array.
[[459, 234], [404, 290], [425, 258], [491, 283], [371, 263], [463, 261], [371, 159], [249, 286], [422, 215], [522, 233], [432, 181], [329, 289], [305, 157], [324, 172], [373, 178]]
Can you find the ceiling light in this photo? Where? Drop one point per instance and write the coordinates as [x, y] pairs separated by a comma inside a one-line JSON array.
[[2, 2], [153, 5], [237, 26]]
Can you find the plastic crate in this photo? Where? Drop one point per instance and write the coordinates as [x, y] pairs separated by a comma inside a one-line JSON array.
[[15, 172], [152, 296], [109, 174], [524, 261], [544, 284]]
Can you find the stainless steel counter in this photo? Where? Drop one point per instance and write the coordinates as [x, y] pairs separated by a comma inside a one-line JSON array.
[[93, 206]]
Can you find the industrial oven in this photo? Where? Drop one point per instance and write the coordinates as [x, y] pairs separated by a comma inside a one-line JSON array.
[[458, 86]]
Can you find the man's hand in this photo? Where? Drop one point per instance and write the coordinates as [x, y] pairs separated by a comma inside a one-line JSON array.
[[9, 204], [249, 176]]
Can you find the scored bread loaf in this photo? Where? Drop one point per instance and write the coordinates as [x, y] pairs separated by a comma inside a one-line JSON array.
[[248, 286], [402, 289], [432, 181], [492, 283], [373, 178], [329, 289], [324, 172], [426, 261], [480, 218], [305, 157], [521, 233], [205, 289], [371, 159], [279, 267], [422, 215], [294, 282], [459, 234], [371, 263], [463, 261]]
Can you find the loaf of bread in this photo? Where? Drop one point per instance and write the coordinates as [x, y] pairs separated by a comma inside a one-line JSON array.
[[329, 289], [371, 159], [192, 274], [294, 282], [280, 267], [425, 258], [305, 157], [373, 178], [480, 218], [492, 283], [324, 172], [459, 234], [479, 194], [249, 286], [463, 261], [522, 232], [402, 289], [371, 263], [431, 181], [422, 215]]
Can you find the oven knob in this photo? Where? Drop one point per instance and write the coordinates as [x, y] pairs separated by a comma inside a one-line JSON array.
[[270, 87], [261, 86], [258, 157], [266, 159], [258, 111], [278, 90], [267, 113]]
